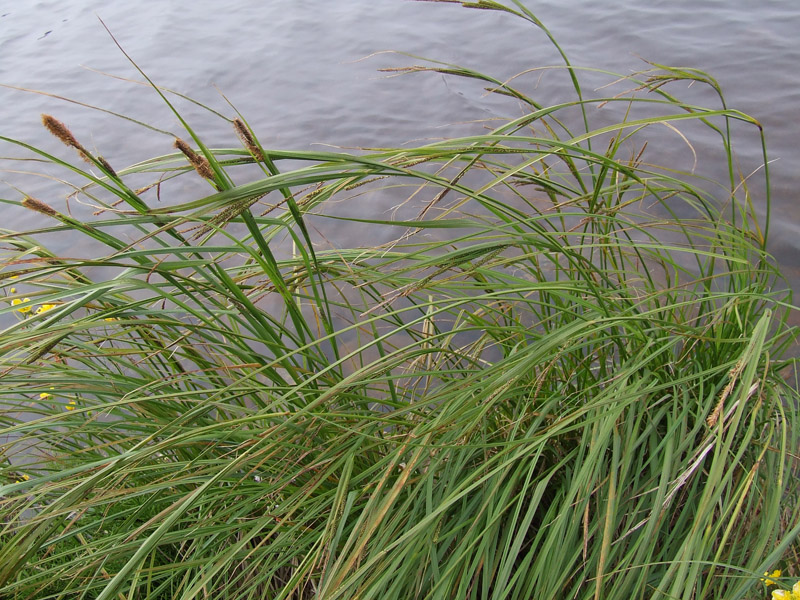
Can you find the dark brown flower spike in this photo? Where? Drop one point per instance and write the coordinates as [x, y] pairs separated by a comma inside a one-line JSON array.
[[200, 163], [107, 166], [39, 206], [58, 129], [247, 139]]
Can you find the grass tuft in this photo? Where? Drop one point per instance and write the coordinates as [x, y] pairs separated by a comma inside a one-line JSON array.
[[566, 375]]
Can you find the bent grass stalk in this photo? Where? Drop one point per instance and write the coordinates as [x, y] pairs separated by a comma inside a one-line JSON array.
[[564, 378]]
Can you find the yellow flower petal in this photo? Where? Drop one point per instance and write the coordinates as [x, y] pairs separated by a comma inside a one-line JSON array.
[[768, 577], [44, 308], [17, 301], [45, 396], [786, 594]]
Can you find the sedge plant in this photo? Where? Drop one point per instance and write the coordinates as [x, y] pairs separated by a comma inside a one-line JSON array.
[[567, 376]]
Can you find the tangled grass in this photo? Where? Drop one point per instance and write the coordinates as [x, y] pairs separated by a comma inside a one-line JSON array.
[[565, 377]]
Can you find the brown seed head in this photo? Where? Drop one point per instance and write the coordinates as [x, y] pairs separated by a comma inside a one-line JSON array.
[[243, 132], [58, 129], [107, 166], [200, 163], [247, 139], [39, 206]]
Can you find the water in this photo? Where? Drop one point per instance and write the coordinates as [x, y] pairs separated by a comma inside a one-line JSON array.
[[294, 70]]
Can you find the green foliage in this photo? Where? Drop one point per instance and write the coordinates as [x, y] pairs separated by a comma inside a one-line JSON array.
[[565, 378]]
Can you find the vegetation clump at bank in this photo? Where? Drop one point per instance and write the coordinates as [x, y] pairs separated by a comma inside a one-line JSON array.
[[565, 377]]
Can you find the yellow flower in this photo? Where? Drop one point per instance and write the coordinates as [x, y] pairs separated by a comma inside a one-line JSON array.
[[13, 290], [22, 478], [71, 405], [786, 594], [768, 577], [45, 396], [45, 307], [17, 301]]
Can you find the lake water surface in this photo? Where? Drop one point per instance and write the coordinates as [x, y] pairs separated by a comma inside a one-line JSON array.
[[293, 69]]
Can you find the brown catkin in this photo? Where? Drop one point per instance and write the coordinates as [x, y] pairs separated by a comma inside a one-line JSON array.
[[199, 163], [107, 167], [58, 129], [39, 206], [247, 139]]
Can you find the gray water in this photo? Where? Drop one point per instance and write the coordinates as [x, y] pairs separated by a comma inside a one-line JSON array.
[[294, 70]]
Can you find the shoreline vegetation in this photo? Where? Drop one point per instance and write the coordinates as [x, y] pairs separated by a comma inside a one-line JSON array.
[[567, 376]]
